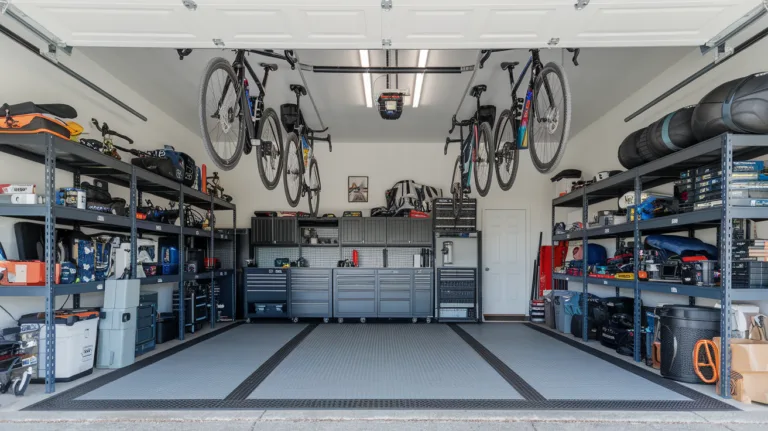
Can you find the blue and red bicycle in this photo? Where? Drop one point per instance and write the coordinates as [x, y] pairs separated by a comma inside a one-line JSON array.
[[540, 122]]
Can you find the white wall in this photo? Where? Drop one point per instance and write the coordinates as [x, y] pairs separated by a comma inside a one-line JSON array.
[[26, 77], [595, 148]]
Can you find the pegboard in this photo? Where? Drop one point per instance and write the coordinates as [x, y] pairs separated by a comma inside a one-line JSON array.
[[265, 256], [368, 257], [321, 257], [401, 257]]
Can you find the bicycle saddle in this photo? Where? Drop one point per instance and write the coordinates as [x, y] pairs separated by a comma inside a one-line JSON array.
[[271, 66], [507, 64], [298, 89], [477, 90]]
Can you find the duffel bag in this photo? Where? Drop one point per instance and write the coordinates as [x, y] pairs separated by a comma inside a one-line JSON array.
[[739, 106], [116, 207], [161, 166], [577, 327], [95, 194]]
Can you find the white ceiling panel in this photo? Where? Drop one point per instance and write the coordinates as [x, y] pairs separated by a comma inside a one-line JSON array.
[[409, 24]]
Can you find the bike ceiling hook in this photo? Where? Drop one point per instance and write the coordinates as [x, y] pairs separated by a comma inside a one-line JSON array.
[[469, 84]]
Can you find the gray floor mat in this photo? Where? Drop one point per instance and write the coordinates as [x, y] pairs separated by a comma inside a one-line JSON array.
[[561, 372], [387, 361], [209, 370]]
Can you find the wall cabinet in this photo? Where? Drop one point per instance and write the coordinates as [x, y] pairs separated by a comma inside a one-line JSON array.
[[375, 231], [274, 231], [353, 230], [364, 231], [409, 232]]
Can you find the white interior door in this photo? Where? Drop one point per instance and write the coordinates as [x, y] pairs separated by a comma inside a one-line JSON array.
[[505, 288]]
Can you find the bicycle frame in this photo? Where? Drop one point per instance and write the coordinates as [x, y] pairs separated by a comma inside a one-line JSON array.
[[524, 109], [255, 105], [468, 151], [307, 143]]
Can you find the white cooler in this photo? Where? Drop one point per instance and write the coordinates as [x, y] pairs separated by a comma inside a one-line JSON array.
[[75, 345]]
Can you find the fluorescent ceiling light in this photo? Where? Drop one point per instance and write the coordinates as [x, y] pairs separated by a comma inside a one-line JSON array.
[[366, 62], [423, 54]]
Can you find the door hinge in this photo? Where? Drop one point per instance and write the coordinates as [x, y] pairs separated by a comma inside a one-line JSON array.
[[386, 42], [189, 4], [581, 4], [218, 42], [554, 41], [386, 4]]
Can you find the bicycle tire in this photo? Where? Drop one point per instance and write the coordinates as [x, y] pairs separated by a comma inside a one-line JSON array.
[[538, 162], [269, 113], [223, 163], [507, 153], [295, 170], [484, 141], [314, 191], [457, 189]]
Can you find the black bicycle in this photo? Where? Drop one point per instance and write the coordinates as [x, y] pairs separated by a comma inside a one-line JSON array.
[[476, 155], [301, 175], [231, 118], [547, 110]]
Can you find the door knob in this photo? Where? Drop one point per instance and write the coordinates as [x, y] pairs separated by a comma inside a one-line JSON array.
[[487, 269]]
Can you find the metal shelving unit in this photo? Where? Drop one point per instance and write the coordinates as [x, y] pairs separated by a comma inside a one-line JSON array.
[[723, 149], [56, 153]]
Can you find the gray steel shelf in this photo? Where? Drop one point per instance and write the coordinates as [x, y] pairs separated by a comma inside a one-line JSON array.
[[60, 154], [720, 150]]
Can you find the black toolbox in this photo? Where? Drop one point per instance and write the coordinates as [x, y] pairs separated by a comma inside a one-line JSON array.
[[167, 328]]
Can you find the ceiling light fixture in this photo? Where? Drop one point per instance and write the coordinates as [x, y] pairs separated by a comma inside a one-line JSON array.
[[423, 54], [366, 62]]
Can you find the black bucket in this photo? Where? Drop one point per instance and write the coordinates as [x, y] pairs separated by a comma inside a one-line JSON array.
[[681, 327]]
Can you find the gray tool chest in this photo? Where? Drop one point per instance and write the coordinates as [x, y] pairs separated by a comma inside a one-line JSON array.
[[311, 293], [266, 293], [146, 322], [384, 293]]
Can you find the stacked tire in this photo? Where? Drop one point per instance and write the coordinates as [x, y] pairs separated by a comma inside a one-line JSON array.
[[738, 106]]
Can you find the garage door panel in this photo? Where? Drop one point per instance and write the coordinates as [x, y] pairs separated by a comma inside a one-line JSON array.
[[129, 23], [651, 23]]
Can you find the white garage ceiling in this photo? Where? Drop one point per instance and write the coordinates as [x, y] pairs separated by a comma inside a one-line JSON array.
[[605, 77], [414, 24]]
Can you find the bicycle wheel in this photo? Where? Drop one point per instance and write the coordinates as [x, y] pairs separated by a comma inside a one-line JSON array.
[[457, 189], [313, 195], [484, 160], [222, 117], [270, 150], [506, 154], [293, 170], [551, 121]]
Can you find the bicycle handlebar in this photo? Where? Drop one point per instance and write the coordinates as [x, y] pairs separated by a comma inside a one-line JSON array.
[[576, 52], [455, 123], [448, 141], [325, 139]]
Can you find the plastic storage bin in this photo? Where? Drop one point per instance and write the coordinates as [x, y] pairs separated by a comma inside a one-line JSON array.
[[562, 320], [76, 332], [681, 327], [549, 307]]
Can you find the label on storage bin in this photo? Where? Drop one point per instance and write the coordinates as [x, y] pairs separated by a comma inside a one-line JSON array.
[[674, 221], [99, 218]]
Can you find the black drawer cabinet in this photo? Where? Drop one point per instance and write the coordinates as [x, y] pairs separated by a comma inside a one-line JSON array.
[[274, 231], [266, 293]]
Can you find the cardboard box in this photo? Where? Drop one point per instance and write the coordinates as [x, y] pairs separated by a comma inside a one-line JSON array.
[[749, 370]]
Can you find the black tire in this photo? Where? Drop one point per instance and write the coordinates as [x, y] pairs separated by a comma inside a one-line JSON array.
[[484, 158], [506, 150], [270, 160], [293, 170], [628, 156], [457, 189], [235, 131], [548, 139], [313, 188]]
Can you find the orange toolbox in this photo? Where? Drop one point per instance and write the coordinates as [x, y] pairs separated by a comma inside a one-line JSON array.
[[24, 273]]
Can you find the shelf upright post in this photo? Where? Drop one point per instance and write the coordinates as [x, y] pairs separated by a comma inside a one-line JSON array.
[[134, 234], [726, 237], [585, 284], [636, 261], [50, 265], [76, 227], [212, 253], [182, 294], [692, 234], [552, 254], [234, 262]]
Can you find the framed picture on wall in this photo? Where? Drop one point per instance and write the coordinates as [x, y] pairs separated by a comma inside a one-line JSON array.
[[357, 189]]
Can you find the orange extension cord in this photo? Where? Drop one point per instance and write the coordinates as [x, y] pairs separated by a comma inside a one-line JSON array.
[[712, 356]]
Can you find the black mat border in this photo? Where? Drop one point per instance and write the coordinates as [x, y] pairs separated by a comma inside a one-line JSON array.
[[244, 389], [514, 379], [673, 386], [80, 390], [67, 401]]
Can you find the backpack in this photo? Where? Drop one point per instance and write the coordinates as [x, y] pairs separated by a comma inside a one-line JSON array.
[[408, 195]]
